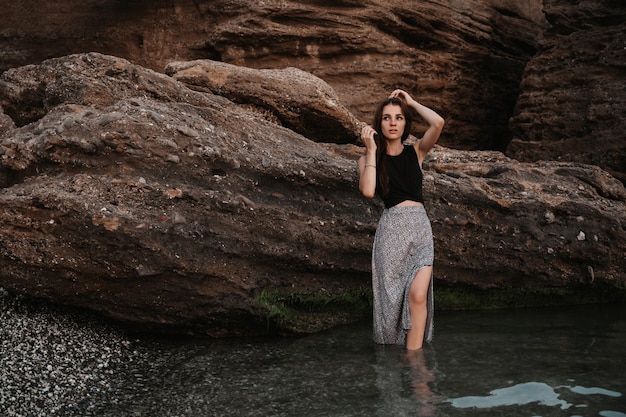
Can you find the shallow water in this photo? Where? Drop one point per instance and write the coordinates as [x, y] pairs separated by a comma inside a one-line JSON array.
[[539, 362], [546, 362]]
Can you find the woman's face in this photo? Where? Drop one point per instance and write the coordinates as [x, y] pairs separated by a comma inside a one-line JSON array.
[[393, 122]]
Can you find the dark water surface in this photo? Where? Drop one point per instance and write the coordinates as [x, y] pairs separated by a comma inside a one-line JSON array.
[[545, 362], [540, 362]]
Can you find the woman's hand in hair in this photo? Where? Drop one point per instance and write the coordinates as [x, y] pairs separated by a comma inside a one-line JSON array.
[[367, 137], [434, 120], [403, 95]]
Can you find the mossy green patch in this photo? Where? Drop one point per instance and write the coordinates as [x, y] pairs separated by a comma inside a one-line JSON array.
[[301, 312], [467, 297]]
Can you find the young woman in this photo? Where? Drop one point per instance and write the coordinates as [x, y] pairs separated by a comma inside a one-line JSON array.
[[403, 253]]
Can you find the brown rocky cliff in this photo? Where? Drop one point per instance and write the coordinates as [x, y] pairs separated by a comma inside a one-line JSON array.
[[552, 68], [572, 103], [99, 154], [126, 192], [464, 58]]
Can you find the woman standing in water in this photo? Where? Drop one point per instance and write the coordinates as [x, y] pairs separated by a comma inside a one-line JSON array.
[[403, 252]]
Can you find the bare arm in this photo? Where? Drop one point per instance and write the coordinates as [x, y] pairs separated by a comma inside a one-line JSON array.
[[367, 163], [435, 124]]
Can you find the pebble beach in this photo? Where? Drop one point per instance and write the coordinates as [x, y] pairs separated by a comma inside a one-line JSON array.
[[61, 362]]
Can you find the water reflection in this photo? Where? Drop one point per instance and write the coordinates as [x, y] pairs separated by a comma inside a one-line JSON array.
[[421, 378], [521, 363], [405, 380], [542, 362], [526, 363]]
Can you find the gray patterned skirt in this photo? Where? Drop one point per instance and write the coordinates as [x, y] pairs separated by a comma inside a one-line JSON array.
[[402, 246]]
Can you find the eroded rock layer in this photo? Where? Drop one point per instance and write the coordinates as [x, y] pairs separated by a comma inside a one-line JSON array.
[[465, 58], [127, 192], [572, 104]]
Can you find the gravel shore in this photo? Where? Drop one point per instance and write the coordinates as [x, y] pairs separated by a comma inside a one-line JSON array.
[[59, 362]]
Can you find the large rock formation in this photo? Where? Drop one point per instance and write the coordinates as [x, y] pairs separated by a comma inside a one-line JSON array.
[[291, 97], [469, 59], [208, 200], [465, 58], [572, 105], [126, 192], [193, 186]]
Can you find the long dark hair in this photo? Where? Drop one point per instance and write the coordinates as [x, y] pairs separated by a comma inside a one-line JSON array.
[[382, 177]]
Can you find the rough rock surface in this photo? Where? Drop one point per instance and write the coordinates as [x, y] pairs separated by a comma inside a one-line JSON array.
[[554, 65], [572, 104], [291, 97], [465, 58], [126, 192]]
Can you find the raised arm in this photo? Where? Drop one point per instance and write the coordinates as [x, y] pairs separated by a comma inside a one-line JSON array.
[[367, 163], [434, 121]]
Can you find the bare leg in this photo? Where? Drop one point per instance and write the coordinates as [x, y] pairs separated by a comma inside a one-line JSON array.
[[417, 308]]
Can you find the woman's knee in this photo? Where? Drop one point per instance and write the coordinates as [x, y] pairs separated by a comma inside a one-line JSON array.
[[417, 296], [419, 288]]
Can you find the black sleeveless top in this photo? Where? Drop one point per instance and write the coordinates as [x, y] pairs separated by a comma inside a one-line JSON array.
[[405, 178]]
